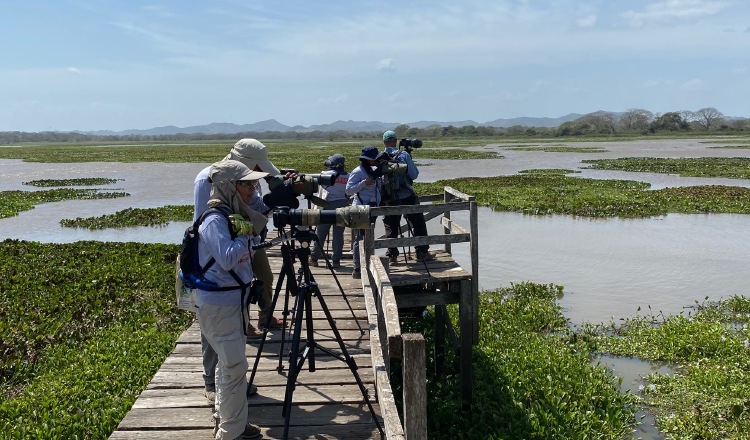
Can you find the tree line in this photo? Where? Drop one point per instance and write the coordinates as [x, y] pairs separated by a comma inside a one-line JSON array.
[[634, 121]]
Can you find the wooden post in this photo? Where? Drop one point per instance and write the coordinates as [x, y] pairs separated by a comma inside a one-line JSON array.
[[474, 249], [441, 315], [466, 321], [415, 387], [447, 214]]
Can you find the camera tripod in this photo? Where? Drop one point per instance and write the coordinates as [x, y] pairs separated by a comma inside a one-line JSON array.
[[304, 290]]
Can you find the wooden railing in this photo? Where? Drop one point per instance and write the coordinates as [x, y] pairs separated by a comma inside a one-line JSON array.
[[386, 340]]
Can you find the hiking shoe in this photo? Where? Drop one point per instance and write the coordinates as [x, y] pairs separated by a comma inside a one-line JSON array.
[[251, 432], [215, 420], [356, 274], [253, 334], [425, 256], [393, 258], [314, 263], [210, 393], [336, 264]]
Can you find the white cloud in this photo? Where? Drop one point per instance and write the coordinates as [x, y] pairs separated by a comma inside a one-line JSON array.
[[386, 65], [587, 22], [693, 85], [74, 70], [334, 100], [674, 9]]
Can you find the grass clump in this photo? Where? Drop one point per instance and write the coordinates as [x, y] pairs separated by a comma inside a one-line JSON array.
[[548, 171], [87, 181], [85, 327], [559, 149], [542, 194], [729, 167], [134, 217], [528, 383], [14, 202], [709, 395]]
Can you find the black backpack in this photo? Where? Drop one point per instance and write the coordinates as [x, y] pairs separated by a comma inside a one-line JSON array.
[[191, 271]]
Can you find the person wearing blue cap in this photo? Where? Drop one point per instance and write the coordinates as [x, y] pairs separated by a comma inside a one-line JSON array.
[[336, 197], [364, 188], [405, 195]]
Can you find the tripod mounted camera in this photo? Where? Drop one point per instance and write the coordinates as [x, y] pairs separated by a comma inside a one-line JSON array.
[[303, 288]]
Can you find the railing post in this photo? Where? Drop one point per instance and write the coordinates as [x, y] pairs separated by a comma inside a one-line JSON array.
[[474, 250], [447, 214], [415, 383]]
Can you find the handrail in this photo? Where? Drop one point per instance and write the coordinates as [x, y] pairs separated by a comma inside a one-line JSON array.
[[386, 339]]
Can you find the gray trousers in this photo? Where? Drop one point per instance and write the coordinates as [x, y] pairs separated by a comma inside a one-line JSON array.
[[338, 234]]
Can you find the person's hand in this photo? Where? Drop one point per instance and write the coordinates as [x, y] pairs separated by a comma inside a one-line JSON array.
[[240, 226], [369, 181]]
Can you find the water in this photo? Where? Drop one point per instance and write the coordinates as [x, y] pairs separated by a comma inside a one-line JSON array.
[[609, 267]]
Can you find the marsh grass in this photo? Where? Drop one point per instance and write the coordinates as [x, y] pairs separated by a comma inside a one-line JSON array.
[[133, 217], [709, 395], [729, 167], [559, 149], [86, 181], [528, 383], [84, 327], [14, 202], [542, 194], [306, 156]]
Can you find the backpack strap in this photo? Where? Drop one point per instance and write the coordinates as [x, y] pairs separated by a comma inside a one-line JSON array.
[[225, 213]]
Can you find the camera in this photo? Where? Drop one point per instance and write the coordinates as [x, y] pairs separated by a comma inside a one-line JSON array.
[[284, 190], [409, 144], [355, 217]]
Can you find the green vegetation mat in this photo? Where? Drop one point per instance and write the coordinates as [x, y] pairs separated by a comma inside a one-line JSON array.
[[84, 328], [542, 194], [730, 167], [87, 181], [305, 156], [709, 395], [134, 217], [14, 202], [529, 383]]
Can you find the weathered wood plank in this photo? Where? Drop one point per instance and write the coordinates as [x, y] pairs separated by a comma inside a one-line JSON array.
[[319, 432], [387, 307], [415, 387], [194, 379]]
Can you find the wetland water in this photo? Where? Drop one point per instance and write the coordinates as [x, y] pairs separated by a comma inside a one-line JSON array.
[[609, 267]]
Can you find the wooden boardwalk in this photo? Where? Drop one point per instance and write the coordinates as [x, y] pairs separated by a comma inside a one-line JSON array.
[[326, 404]]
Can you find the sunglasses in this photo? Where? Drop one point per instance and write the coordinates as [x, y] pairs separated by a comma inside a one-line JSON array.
[[246, 183]]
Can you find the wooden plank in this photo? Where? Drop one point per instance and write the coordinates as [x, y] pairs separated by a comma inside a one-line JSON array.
[[415, 387], [420, 240], [456, 193], [388, 307], [263, 378], [321, 432], [391, 419], [452, 227], [381, 211], [466, 320], [474, 252]]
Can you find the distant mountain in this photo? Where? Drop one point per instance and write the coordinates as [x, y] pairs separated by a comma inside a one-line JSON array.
[[352, 126], [533, 122]]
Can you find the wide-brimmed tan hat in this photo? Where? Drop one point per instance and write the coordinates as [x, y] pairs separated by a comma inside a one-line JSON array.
[[252, 152], [233, 170]]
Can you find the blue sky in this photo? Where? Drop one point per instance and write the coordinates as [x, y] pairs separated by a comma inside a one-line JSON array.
[[116, 65]]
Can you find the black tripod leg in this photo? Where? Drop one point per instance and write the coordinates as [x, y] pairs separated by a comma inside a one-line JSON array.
[[262, 344], [294, 365]]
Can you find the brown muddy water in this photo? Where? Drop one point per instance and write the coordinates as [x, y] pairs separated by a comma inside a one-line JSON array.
[[610, 268]]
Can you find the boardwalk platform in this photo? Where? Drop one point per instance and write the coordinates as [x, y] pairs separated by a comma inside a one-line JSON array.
[[327, 403]]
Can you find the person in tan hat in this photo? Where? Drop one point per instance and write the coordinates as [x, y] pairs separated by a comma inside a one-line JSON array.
[[251, 153], [226, 240]]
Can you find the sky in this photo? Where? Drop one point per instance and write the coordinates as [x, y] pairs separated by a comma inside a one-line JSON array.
[[117, 65]]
